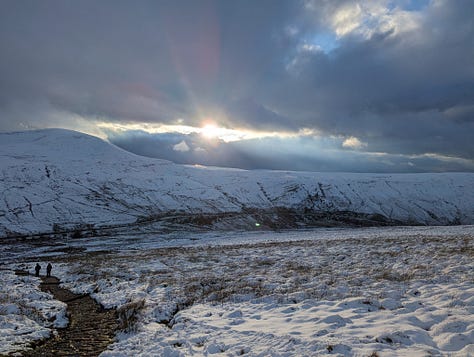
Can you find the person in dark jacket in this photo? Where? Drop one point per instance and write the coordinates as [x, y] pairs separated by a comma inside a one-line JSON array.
[[48, 269], [37, 269]]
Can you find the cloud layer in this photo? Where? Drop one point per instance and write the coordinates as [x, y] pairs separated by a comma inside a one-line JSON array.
[[378, 81], [298, 153]]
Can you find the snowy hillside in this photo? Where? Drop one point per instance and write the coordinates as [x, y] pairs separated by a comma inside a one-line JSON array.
[[60, 181]]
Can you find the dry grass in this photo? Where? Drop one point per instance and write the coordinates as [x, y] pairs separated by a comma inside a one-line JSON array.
[[313, 269], [128, 315]]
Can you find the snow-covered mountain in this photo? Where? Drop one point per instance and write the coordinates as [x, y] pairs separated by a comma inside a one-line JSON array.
[[62, 181]]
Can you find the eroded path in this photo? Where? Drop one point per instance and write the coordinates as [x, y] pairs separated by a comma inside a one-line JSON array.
[[91, 327]]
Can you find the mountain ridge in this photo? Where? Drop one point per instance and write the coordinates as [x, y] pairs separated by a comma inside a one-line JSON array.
[[56, 180]]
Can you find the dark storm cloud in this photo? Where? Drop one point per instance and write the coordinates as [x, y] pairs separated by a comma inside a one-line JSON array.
[[393, 86], [404, 87], [142, 61], [246, 110]]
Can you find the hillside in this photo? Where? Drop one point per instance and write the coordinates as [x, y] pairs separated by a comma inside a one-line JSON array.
[[62, 181]]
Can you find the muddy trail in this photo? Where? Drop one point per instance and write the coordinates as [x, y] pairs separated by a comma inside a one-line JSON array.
[[90, 330]]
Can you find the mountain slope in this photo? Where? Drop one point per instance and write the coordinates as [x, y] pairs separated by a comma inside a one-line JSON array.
[[59, 180]]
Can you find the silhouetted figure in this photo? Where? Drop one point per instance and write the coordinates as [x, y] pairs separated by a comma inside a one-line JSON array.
[[37, 269], [48, 269]]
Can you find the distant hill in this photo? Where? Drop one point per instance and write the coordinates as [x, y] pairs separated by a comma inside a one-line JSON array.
[[65, 182]]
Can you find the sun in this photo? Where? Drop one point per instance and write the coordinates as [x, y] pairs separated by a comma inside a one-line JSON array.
[[211, 131]]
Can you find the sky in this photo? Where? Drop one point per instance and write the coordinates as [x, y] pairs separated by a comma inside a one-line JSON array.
[[312, 85]]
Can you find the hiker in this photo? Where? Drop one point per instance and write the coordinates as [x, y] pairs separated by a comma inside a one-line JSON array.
[[37, 269], [48, 269]]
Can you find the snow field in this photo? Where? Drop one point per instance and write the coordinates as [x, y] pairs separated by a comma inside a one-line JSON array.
[[397, 295], [404, 296], [392, 291]]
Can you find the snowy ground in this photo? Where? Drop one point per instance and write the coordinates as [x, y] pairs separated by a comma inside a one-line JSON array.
[[378, 291]]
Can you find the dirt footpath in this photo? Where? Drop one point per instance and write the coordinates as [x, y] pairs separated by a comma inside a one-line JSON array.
[[91, 327]]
